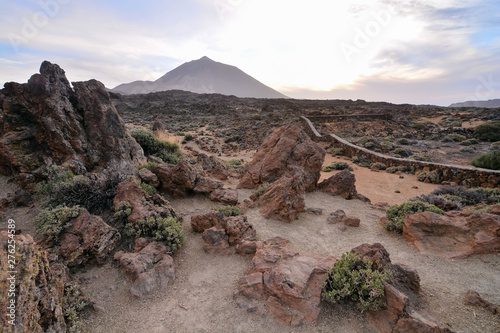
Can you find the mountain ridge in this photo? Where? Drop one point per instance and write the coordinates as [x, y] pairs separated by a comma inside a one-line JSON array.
[[491, 103], [203, 76]]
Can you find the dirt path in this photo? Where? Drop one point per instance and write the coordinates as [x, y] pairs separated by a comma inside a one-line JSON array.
[[201, 298]]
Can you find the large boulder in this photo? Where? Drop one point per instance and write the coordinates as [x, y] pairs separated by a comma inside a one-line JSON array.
[[225, 195], [212, 166], [280, 153], [455, 234], [46, 121], [284, 199], [288, 282], [38, 291], [342, 183], [150, 268], [88, 238]]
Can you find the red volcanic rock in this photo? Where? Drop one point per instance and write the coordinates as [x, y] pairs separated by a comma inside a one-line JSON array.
[[176, 179], [39, 292], [455, 234], [227, 196], [47, 121], [212, 166], [284, 199], [148, 177], [216, 241], [288, 282], [284, 150], [472, 298], [204, 221], [342, 183], [88, 238]]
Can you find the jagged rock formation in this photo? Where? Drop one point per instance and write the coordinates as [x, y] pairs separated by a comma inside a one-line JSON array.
[[46, 121], [38, 291]]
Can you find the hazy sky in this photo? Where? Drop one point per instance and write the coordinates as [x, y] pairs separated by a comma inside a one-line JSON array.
[[408, 51]]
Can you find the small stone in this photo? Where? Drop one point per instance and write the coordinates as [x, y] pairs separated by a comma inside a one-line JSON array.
[[397, 191]]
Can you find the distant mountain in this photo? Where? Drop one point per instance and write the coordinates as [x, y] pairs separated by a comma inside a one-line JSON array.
[[203, 76], [492, 103]]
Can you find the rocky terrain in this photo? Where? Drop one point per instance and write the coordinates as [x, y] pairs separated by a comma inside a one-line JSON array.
[[241, 225]]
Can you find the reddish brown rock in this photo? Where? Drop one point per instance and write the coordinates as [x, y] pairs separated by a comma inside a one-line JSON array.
[[417, 323], [290, 282], [88, 238], [397, 307], [212, 166], [247, 247], [342, 183], [148, 177], [141, 207], [374, 252], [280, 153], [336, 217], [472, 298], [238, 229], [48, 121], [283, 200], [352, 221], [204, 221], [227, 196], [151, 268], [455, 234], [39, 292], [207, 185], [495, 209], [216, 241], [178, 179]]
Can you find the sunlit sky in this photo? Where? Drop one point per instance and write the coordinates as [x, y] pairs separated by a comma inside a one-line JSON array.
[[408, 51]]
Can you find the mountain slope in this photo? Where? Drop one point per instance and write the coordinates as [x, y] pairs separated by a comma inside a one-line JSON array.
[[204, 76], [492, 103]]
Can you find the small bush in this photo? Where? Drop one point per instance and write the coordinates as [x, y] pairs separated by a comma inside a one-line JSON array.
[[169, 152], [402, 152], [73, 303], [150, 190], [336, 151], [396, 213], [490, 160], [353, 279], [337, 165], [378, 166], [392, 169], [457, 137], [423, 158], [166, 230], [369, 145], [403, 142], [386, 145], [361, 161], [149, 165], [228, 210], [51, 222], [432, 176], [495, 146], [469, 197], [261, 189], [469, 142], [234, 164], [445, 202], [488, 131], [123, 209], [188, 137]]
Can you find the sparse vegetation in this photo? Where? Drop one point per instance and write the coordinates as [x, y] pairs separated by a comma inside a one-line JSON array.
[[234, 164], [430, 176], [162, 229], [149, 189], [228, 210], [51, 222], [378, 166], [73, 304], [490, 160], [353, 279], [149, 165], [337, 165], [336, 151], [261, 189], [396, 213]]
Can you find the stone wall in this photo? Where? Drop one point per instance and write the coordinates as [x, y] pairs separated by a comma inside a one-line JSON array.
[[468, 176]]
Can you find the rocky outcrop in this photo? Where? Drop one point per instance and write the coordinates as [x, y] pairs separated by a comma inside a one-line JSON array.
[[286, 282], [150, 267], [226, 196], [148, 177], [473, 298], [181, 179], [342, 183], [284, 199], [88, 238], [46, 121], [221, 233], [38, 291], [212, 166], [141, 206], [286, 149], [455, 234]]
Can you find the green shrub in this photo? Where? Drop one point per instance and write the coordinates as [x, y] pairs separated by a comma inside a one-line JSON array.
[[162, 229], [353, 279], [402, 152], [456, 137], [336, 151], [432, 176], [169, 152], [490, 160], [122, 210], [378, 166], [418, 126], [424, 158], [73, 304], [386, 145], [369, 145], [51, 222], [149, 165], [488, 131], [63, 188], [337, 165], [495, 146], [469, 142], [188, 137], [396, 213], [389, 138], [234, 164], [362, 161], [261, 189], [149, 189], [228, 210], [392, 170], [469, 197], [403, 142]]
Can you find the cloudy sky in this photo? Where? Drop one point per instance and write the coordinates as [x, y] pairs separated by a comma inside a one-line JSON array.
[[401, 51]]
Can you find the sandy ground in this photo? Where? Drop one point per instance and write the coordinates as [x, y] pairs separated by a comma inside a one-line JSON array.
[[201, 298]]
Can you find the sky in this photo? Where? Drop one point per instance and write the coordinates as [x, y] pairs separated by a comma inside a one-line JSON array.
[[400, 51]]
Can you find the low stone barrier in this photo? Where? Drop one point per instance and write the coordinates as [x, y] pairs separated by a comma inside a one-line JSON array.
[[467, 176]]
